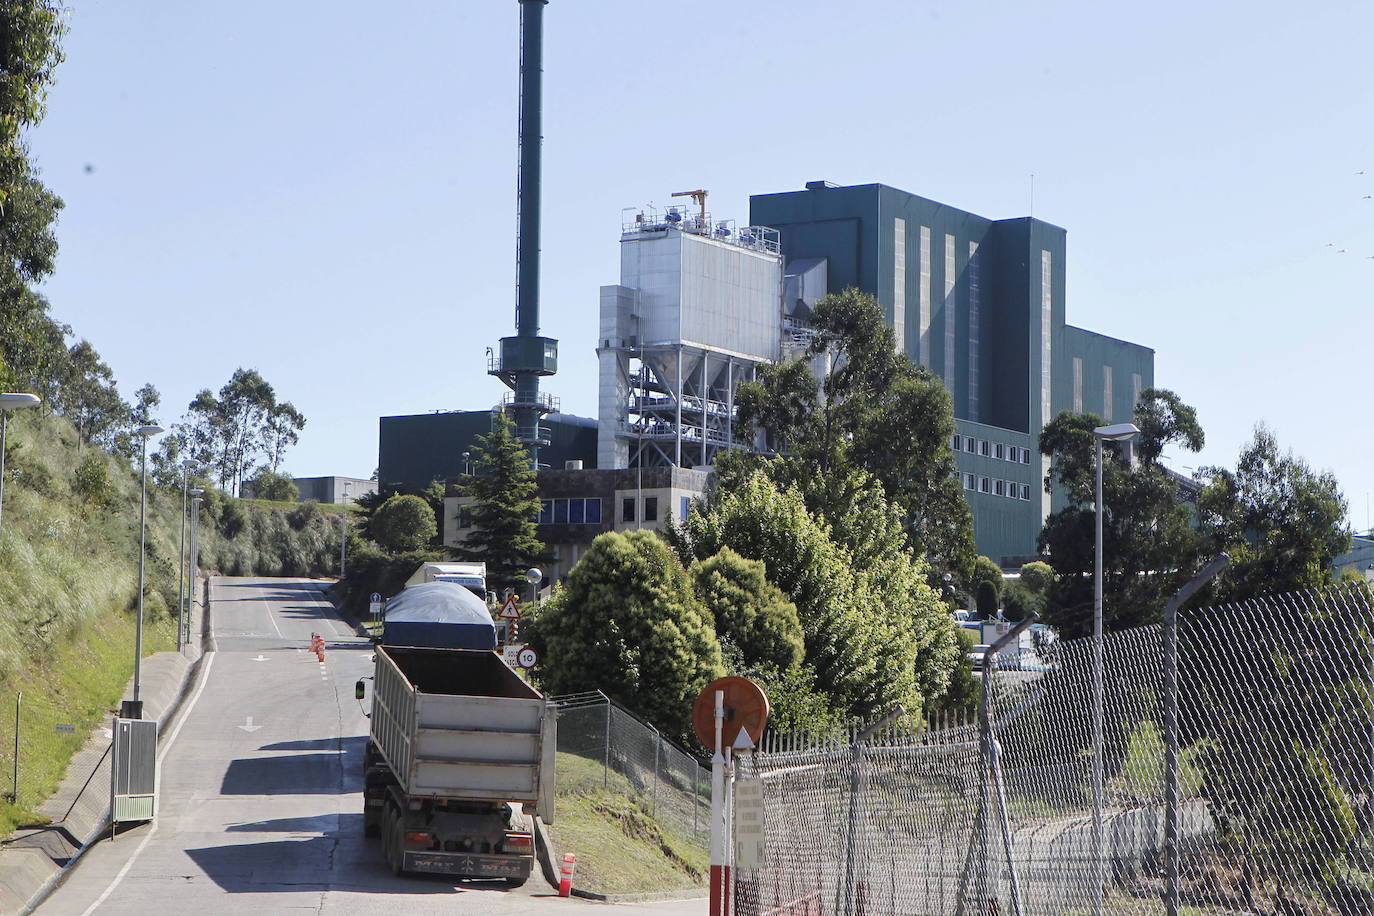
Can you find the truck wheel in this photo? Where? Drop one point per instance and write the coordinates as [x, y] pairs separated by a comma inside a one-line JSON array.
[[384, 828], [398, 857], [513, 883], [370, 825]]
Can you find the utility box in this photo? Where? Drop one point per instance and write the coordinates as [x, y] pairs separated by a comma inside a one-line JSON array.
[[133, 770]]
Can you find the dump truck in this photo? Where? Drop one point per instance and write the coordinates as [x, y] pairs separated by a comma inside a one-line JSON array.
[[460, 756]]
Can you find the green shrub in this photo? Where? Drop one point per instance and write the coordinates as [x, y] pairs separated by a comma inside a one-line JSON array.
[[302, 516], [268, 484], [92, 480], [403, 523]]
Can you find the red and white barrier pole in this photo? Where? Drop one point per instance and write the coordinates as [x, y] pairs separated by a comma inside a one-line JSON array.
[[728, 884], [719, 868], [565, 874]]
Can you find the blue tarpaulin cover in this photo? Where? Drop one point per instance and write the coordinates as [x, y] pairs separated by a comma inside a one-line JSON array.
[[438, 615]]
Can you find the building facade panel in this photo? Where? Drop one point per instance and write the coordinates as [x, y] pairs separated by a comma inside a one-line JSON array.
[[989, 299]]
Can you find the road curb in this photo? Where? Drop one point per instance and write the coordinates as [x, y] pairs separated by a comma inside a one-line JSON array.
[[31, 879], [544, 852]]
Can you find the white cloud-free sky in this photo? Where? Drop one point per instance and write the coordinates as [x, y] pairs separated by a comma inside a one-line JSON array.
[[325, 191]]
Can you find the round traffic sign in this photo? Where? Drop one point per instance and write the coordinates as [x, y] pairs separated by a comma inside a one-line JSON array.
[[746, 709], [376, 596], [527, 658]]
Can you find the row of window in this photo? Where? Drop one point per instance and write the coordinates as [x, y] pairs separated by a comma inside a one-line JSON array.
[[570, 511], [1008, 488], [990, 449], [585, 511]]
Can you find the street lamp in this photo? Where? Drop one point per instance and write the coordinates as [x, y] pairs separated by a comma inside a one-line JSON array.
[[8, 402], [143, 433], [467, 467], [181, 562], [343, 532], [192, 572], [534, 575], [1118, 432], [195, 553]]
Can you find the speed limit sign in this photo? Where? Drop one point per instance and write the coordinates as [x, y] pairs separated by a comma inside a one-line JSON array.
[[527, 658]]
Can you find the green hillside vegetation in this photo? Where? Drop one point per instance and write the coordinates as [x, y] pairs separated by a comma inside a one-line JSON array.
[[621, 848], [68, 581]]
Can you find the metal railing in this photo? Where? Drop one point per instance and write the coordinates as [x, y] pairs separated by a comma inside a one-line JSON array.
[[1262, 803], [670, 783]]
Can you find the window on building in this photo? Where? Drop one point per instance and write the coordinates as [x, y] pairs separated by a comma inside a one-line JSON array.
[[984, 447], [627, 510], [984, 485], [970, 482], [560, 511], [1025, 456], [684, 503], [999, 487], [593, 511], [651, 508], [1025, 491], [577, 511], [999, 451], [956, 442], [545, 514], [970, 444]]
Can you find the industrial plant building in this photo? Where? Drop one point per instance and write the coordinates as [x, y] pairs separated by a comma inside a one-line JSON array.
[[702, 302], [414, 450]]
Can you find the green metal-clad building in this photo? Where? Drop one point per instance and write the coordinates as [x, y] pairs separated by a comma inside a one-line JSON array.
[[981, 303], [417, 449]]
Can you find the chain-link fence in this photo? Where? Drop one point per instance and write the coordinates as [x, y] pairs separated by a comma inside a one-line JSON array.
[[1269, 747], [670, 783]]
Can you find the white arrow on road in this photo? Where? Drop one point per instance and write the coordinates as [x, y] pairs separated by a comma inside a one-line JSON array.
[[260, 658], [248, 725]]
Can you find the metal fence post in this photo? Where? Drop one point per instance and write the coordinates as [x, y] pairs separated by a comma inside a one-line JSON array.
[[606, 770], [18, 706], [856, 788], [696, 774], [1171, 739], [653, 795]]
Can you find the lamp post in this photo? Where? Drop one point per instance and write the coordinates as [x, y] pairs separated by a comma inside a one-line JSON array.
[[181, 561], [343, 532], [195, 552], [143, 433], [8, 402], [534, 575], [1118, 432], [192, 572], [467, 466]]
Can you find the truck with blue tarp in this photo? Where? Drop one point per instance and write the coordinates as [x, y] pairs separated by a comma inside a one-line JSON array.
[[460, 756]]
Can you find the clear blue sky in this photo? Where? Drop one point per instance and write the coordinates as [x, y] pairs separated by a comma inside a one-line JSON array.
[[325, 191]]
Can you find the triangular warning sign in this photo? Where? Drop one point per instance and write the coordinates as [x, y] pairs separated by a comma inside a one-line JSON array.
[[511, 609]]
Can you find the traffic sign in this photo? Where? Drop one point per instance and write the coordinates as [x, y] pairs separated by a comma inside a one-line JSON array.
[[511, 654], [746, 709], [748, 809], [376, 596], [527, 657], [376, 609], [511, 609]]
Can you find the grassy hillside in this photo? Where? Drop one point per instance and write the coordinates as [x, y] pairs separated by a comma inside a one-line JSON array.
[[621, 848], [68, 579]]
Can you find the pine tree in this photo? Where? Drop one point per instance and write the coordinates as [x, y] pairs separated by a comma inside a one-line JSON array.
[[505, 506]]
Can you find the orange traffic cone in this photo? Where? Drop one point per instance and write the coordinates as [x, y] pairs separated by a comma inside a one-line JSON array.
[[566, 874]]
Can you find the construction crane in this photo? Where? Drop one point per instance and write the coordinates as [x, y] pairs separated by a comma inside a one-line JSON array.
[[699, 196]]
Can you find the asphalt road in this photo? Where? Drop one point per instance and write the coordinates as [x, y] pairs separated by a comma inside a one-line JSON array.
[[260, 787]]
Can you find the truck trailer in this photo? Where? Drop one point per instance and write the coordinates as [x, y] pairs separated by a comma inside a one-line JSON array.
[[459, 763]]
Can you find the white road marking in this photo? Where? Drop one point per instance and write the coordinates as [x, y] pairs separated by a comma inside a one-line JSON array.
[[271, 618], [248, 725], [166, 747], [262, 658]]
